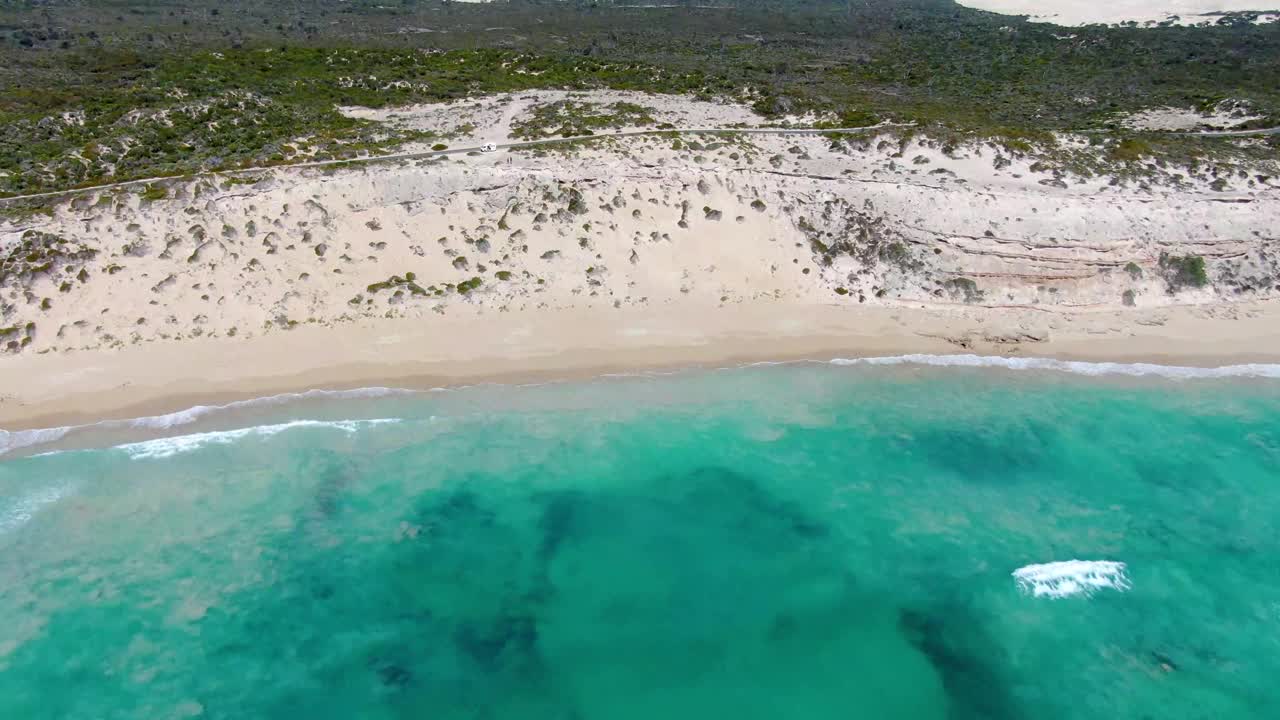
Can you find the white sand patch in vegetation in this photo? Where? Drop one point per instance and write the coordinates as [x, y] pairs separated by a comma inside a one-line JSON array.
[[1223, 116], [491, 118], [1142, 12]]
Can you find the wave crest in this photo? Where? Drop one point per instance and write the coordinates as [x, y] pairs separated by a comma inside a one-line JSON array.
[[18, 439], [1262, 370], [26, 507], [1072, 577], [170, 446]]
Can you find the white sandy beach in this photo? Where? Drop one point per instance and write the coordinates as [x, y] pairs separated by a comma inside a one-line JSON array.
[[78, 388]]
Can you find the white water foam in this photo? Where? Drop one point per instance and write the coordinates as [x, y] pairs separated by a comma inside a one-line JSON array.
[[15, 440], [1071, 577], [21, 512], [170, 446], [1259, 370], [10, 441], [182, 417]]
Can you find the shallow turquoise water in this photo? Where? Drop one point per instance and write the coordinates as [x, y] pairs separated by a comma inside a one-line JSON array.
[[797, 541]]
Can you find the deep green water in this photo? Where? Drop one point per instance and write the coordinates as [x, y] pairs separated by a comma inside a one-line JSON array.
[[772, 542]]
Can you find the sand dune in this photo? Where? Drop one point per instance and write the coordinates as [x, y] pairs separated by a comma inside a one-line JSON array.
[[643, 225], [1091, 12]]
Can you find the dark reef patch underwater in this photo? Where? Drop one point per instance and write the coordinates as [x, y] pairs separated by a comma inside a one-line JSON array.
[[804, 541]]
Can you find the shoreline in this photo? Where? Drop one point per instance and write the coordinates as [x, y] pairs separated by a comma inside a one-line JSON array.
[[81, 388]]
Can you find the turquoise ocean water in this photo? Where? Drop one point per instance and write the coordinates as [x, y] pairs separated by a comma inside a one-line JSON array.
[[797, 541]]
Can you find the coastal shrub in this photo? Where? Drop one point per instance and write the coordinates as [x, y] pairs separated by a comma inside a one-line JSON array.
[[1128, 298], [1183, 271], [231, 96], [568, 118], [1134, 271], [899, 255], [1130, 150], [964, 289], [395, 281]]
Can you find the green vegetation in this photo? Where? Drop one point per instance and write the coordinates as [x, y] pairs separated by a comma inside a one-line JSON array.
[[899, 255], [577, 205], [467, 286], [15, 337], [235, 180], [568, 118], [135, 116], [40, 253], [396, 282], [1131, 150], [1183, 271], [108, 91], [964, 289]]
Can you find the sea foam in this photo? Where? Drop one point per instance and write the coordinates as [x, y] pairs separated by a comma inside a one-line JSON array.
[[15, 440], [18, 439], [25, 508], [170, 446], [1071, 577], [1262, 370], [191, 414]]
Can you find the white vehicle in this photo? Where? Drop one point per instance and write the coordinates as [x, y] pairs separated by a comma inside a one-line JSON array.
[[488, 147]]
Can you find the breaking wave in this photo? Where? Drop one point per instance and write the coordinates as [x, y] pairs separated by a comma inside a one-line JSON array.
[[20, 512], [167, 447], [1262, 370], [18, 439], [182, 417], [1071, 577]]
